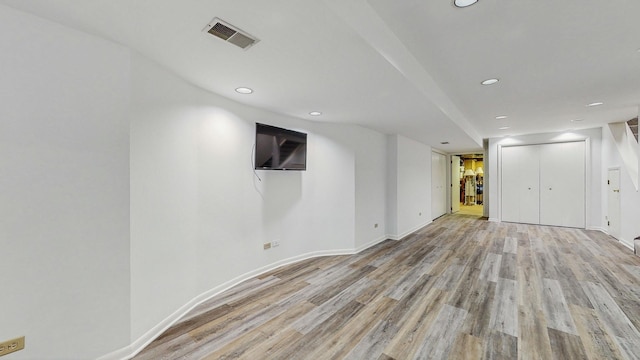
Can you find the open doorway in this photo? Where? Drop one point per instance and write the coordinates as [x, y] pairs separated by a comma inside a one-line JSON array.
[[471, 183]]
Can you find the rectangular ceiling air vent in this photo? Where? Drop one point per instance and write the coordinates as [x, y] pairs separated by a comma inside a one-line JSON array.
[[230, 33]]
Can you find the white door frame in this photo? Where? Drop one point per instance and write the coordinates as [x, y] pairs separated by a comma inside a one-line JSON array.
[[454, 203], [440, 191]]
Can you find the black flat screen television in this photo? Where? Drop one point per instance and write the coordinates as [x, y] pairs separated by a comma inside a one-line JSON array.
[[280, 149]]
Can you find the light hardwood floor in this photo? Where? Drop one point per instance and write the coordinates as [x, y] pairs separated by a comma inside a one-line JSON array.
[[460, 288], [476, 210]]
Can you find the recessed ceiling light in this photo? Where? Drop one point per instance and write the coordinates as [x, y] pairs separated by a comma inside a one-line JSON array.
[[577, 120], [595, 104], [489, 81], [464, 3], [244, 90], [504, 128], [315, 113], [501, 117]]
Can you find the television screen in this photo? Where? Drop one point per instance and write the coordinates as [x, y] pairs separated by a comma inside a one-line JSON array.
[[280, 149]]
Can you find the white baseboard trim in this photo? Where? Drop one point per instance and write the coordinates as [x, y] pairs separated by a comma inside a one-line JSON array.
[[126, 352], [370, 244], [626, 244], [598, 228], [409, 232], [621, 241], [134, 348], [494, 219]]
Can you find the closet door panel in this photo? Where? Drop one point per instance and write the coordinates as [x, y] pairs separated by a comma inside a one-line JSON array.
[[552, 203], [510, 178], [562, 184], [530, 188], [520, 189]]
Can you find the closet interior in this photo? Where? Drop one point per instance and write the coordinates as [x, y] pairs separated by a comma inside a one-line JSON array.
[[471, 183]]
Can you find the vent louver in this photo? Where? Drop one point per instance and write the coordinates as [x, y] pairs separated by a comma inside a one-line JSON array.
[[230, 33], [633, 125]]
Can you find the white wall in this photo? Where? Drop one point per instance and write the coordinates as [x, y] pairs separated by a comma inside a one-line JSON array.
[[371, 172], [392, 187], [199, 216], [439, 201], [627, 146], [594, 169], [64, 204], [629, 196], [409, 180], [130, 195]]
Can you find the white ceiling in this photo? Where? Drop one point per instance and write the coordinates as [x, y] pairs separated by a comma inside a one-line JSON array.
[[409, 67]]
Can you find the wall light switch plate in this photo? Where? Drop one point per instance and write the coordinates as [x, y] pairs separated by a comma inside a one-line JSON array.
[[11, 346]]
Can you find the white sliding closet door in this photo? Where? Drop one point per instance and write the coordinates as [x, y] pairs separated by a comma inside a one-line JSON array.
[[544, 184], [562, 184], [520, 184]]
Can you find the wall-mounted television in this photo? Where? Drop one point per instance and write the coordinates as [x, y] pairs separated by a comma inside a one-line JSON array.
[[280, 149]]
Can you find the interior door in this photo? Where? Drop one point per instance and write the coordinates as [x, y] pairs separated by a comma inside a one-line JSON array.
[[613, 203], [455, 184], [438, 181], [562, 184], [520, 184]]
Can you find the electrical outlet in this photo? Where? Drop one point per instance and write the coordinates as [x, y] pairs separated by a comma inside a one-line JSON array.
[[275, 243], [266, 246], [8, 347]]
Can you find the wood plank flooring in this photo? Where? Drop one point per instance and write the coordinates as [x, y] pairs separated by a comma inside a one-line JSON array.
[[460, 288]]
